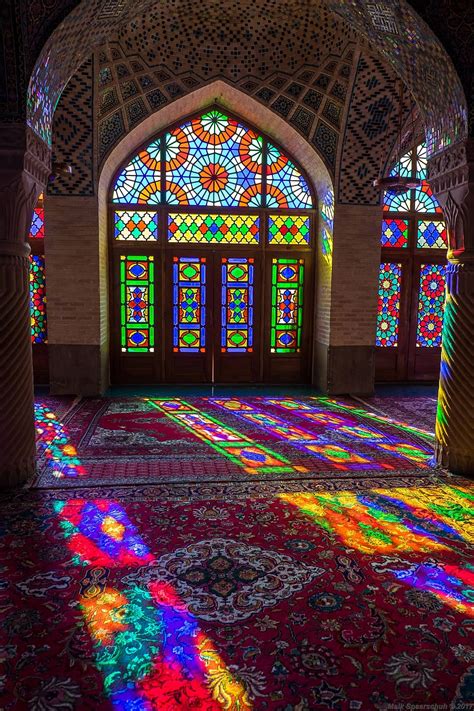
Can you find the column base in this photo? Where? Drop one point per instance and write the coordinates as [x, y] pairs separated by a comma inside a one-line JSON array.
[[15, 475], [456, 462], [341, 370]]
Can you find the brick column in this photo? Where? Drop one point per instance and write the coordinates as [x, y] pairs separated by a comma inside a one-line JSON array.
[[452, 178], [345, 347], [23, 171]]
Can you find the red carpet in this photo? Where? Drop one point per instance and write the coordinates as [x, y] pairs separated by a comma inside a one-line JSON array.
[[131, 441], [238, 596]]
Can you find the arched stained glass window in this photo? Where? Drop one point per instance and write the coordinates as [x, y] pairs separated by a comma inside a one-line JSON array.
[[219, 222], [212, 161], [414, 243]]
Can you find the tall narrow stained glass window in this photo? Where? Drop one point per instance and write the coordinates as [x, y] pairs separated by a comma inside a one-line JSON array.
[[37, 299], [137, 303], [287, 305], [37, 276], [237, 305], [389, 304], [189, 304], [215, 182], [414, 242], [431, 305]]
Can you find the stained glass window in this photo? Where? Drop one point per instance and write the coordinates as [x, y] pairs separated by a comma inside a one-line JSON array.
[[396, 203], [237, 305], [421, 161], [140, 181], [37, 224], [389, 304], [419, 229], [425, 201], [288, 229], [37, 299], [137, 304], [431, 305], [136, 226], [394, 233], [213, 229], [432, 235], [286, 186], [287, 305], [213, 160], [189, 304]]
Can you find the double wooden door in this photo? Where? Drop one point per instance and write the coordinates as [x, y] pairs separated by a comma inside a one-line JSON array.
[[224, 316]]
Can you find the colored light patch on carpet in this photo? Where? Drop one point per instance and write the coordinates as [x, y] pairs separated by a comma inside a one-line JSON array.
[[253, 457]]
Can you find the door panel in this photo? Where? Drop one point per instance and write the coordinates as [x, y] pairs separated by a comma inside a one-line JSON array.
[[237, 296], [188, 317]]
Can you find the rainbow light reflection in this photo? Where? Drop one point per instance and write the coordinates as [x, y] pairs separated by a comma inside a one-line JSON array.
[[53, 444], [149, 647]]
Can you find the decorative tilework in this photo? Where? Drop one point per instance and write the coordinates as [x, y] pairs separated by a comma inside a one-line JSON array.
[[111, 130], [303, 120], [72, 137], [313, 99], [283, 105], [325, 141]]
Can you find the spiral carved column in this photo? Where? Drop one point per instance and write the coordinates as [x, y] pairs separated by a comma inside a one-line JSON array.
[[24, 166], [452, 179], [17, 434], [455, 417]]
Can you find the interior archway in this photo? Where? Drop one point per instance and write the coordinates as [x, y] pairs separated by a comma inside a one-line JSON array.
[[212, 269]]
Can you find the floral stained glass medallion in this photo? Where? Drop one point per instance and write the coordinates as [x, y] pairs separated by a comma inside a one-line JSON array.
[[137, 304], [389, 304], [286, 186], [287, 305], [431, 305], [213, 160], [189, 304], [237, 305], [37, 299]]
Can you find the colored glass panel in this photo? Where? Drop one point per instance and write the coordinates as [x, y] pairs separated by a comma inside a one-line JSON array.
[[389, 304], [213, 229], [37, 299], [140, 181], [237, 305], [136, 226], [137, 304], [213, 160], [287, 305], [432, 235], [421, 162], [394, 233], [288, 229], [425, 201], [37, 224], [327, 224], [286, 186], [404, 167], [431, 305], [189, 304], [396, 203]]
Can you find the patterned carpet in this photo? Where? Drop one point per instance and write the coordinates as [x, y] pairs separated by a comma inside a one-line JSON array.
[[334, 588], [202, 439]]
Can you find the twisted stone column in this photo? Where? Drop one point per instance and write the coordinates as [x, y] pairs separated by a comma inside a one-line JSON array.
[[23, 171], [452, 179], [455, 416]]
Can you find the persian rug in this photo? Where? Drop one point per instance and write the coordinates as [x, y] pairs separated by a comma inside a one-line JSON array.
[[418, 411], [124, 441], [264, 595]]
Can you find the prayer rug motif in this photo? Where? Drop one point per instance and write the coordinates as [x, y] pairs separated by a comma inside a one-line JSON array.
[[226, 579]]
